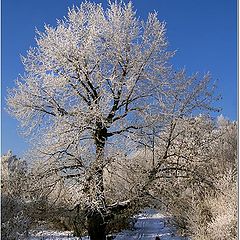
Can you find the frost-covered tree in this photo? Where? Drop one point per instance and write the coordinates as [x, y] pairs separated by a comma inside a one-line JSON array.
[[94, 86]]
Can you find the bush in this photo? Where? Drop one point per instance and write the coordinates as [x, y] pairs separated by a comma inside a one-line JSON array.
[[15, 223], [204, 203]]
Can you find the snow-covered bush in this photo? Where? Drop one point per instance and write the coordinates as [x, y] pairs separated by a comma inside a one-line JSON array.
[[212, 216], [223, 208], [15, 228], [207, 209], [14, 217]]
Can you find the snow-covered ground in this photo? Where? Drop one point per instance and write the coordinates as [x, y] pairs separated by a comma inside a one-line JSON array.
[[149, 224], [52, 235]]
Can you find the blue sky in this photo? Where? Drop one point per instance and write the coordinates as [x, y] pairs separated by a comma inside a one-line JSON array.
[[204, 33]]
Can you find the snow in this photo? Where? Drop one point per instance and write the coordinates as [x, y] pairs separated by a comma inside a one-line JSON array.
[[149, 224], [54, 235]]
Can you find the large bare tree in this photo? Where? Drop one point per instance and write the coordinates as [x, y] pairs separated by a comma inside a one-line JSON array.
[[100, 81]]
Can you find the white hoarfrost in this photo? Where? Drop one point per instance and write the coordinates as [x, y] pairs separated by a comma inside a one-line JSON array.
[[96, 87]]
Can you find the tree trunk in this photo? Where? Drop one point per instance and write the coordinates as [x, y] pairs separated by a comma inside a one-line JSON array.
[[96, 226], [95, 218]]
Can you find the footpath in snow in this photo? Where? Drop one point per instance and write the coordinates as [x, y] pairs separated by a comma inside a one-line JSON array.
[[148, 226]]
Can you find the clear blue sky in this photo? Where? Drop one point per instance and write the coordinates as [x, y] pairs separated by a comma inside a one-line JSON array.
[[203, 31]]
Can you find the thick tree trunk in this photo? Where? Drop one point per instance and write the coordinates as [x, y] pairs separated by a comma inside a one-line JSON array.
[[96, 226], [100, 141], [95, 218]]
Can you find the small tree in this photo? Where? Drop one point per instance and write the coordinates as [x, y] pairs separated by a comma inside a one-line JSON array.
[[99, 81]]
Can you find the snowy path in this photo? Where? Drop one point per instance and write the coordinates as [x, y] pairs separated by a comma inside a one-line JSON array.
[[148, 225]]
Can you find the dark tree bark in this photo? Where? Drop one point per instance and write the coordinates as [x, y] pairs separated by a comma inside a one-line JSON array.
[[96, 226], [95, 217]]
